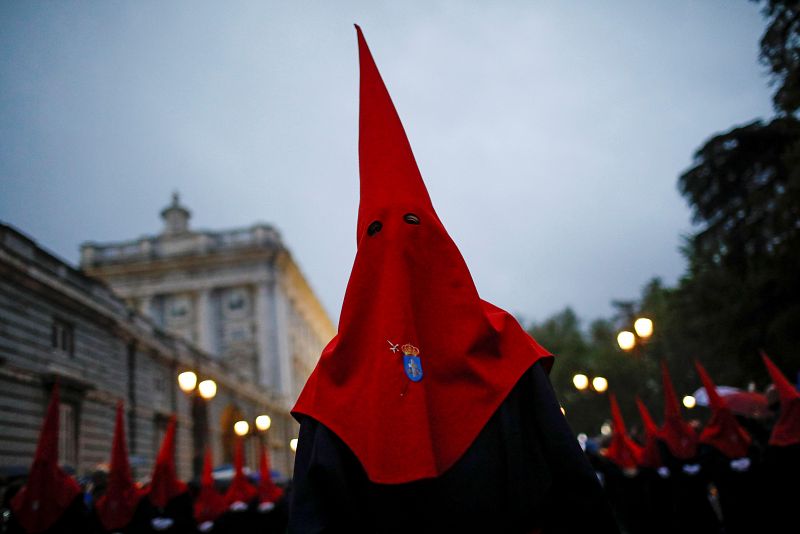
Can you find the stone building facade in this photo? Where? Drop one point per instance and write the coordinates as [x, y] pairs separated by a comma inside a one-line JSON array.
[[58, 324], [236, 294]]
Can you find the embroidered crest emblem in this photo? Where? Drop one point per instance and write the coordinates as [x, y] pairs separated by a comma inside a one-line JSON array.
[[412, 364]]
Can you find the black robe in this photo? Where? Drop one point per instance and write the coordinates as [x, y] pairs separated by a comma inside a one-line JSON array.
[[690, 485], [524, 471], [740, 491], [74, 520], [781, 476], [179, 513]]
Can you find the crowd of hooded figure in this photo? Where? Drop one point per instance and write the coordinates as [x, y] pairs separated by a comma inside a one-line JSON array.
[[52, 501], [452, 427], [735, 475]]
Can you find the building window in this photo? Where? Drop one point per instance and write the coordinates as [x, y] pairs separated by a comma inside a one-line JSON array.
[[62, 337], [68, 435], [179, 307]]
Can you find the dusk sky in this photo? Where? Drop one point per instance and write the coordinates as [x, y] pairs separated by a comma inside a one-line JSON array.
[[550, 134]]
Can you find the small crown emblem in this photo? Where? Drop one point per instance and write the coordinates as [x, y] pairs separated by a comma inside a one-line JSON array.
[[410, 350]]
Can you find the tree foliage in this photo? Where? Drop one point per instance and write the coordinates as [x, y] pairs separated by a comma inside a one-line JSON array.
[[742, 291], [780, 52]]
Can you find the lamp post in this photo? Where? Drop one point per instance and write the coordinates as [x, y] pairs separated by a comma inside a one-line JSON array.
[[642, 331], [581, 382], [199, 395]]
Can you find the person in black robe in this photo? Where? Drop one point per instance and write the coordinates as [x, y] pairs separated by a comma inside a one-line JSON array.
[[781, 471], [50, 501], [685, 468], [655, 478], [431, 410], [524, 471], [623, 483], [167, 506]]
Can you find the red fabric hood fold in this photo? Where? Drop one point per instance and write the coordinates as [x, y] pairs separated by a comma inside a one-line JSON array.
[[722, 431], [787, 428], [622, 450], [115, 508], [165, 485], [48, 491], [416, 348], [679, 436]]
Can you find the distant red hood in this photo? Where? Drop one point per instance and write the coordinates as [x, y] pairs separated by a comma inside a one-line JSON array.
[[722, 431], [651, 456], [787, 428], [48, 491], [209, 504], [115, 508], [240, 490], [267, 490], [417, 348], [678, 435], [622, 450], [165, 485]]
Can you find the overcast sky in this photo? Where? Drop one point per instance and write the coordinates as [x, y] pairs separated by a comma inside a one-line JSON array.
[[550, 134]]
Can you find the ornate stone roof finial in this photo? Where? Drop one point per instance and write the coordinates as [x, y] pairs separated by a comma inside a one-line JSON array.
[[176, 217]]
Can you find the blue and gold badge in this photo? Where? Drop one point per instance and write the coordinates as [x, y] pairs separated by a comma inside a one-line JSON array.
[[412, 365]]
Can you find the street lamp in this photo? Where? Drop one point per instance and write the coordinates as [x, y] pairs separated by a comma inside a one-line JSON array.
[[689, 401], [263, 422], [241, 428], [207, 389], [643, 327], [187, 381], [626, 340], [581, 381], [600, 384]]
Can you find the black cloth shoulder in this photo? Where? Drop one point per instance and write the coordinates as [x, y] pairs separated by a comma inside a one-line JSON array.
[[525, 472]]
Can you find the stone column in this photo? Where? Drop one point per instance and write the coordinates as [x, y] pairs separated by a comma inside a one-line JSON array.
[[205, 324], [264, 318]]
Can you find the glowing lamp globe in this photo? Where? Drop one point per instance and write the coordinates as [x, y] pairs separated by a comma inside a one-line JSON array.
[[207, 389], [580, 381], [263, 422], [187, 380], [643, 327], [626, 340], [600, 384], [241, 428]]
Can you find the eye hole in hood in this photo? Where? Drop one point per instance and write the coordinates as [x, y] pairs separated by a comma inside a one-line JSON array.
[[410, 218], [374, 228]]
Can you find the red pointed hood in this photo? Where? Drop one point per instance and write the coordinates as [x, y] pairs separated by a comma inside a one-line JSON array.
[[116, 506], [209, 504], [417, 347], [679, 436], [722, 431], [48, 491], [651, 457], [267, 490], [623, 451], [787, 428], [165, 484], [240, 490]]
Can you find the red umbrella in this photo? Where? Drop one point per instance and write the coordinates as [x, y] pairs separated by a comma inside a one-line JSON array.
[[746, 403]]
